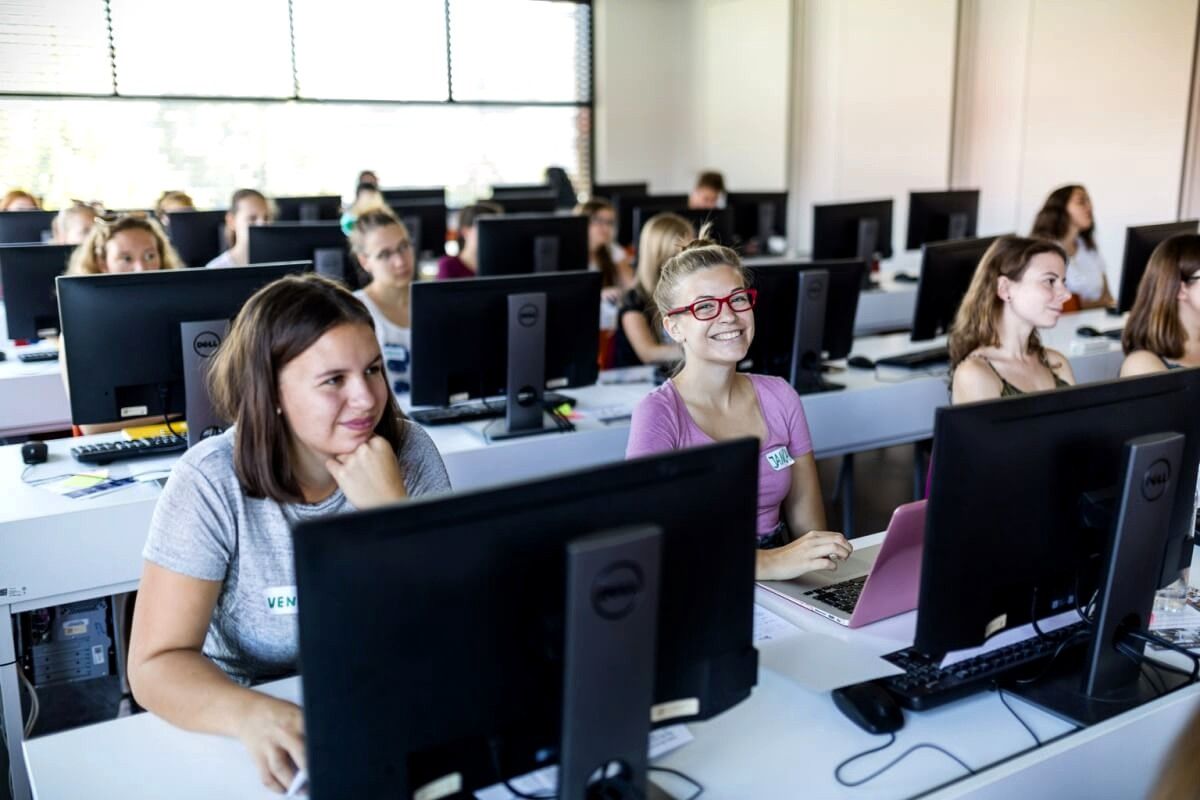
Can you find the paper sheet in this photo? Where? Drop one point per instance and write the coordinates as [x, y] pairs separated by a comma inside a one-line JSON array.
[[1005, 638], [769, 626], [821, 663]]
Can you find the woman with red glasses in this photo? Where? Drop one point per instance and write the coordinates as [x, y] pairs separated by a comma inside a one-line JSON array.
[[708, 309]]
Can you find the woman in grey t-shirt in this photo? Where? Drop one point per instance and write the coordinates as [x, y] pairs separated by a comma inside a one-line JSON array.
[[316, 432]]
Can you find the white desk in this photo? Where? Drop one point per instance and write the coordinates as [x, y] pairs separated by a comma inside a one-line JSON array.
[[889, 307], [32, 396], [783, 742]]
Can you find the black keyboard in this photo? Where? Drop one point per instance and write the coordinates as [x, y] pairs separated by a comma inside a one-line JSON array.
[[842, 596], [925, 685], [107, 452], [477, 410], [41, 355], [917, 359]]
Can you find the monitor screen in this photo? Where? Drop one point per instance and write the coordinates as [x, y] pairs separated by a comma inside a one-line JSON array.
[[313, 208], [847, 230], [436, 194], [322, 243], [426, 223], [27, 274], [719, 220], [26, 227], [941, 216], [518, 244], [198, 236], [545, 202], [651, 204], [757, 217], [946, 272]]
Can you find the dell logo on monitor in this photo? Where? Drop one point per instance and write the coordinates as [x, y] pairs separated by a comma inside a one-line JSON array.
[[1155, 481], [206, 343], [616, 590], [527, 316]]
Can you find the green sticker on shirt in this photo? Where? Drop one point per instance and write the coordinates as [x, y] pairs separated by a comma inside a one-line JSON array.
[[780, 458]]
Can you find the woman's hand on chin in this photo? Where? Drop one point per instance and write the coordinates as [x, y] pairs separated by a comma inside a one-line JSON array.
[[370, 476]]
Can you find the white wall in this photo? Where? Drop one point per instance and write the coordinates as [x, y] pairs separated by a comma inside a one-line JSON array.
[[1075, 91]]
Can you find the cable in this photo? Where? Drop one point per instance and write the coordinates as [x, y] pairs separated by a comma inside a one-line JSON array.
[[164, 392], [1057, 652], [699, 786], [1017, 716], [837, 771], [46, 479], [34, 706], [1150, 638]]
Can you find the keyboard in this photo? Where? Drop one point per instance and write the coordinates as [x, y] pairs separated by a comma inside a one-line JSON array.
[[917, 359], [476, 410], [842, 596], [39, 356], [107, 452], [925, 684]]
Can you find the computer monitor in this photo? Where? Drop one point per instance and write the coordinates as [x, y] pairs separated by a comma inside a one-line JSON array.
[[510, 335], [720, 220], [1140, 242], [946, 272], [122, 334], [758, 219], [852, 230], [451, 639], [26, 227], [426, 223], [941, 216], [1018, 531], [545, 202], [650, 204], [322, 243], [198, 236], [788, 344], [436, 194], [500, 190], [27, 273], [517, 244], [308, 209], [609, 191]]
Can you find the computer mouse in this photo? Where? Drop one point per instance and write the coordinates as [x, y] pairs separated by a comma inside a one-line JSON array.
[[34, 452], [870, 707], [905, 277], [860, 362], [1087, 331]]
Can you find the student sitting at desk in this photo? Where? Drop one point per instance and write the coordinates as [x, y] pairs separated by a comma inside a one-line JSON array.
[[1163, 331], [384, 250], [247, 207], [639, 336], [171, 201], [72, 224], [317, 432], [464, 264], [707, 308], [132, 243], [19, 200], [709, 191], [605, 255], [1066, 218], [1018, 287]]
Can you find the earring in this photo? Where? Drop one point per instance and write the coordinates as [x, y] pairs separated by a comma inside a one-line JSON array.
[[278, 410]]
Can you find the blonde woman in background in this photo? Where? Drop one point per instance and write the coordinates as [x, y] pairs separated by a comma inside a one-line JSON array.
[[73, 224], [639, 337], [171, 201], [127, 244]]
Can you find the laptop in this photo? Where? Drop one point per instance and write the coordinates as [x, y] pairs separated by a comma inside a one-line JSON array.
[[874, 583]]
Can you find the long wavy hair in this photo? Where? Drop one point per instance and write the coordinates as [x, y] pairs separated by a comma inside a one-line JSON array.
[[1053, 221], [1154, 323]]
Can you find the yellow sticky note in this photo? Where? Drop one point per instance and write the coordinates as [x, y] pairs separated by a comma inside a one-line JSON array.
[[81, 481]]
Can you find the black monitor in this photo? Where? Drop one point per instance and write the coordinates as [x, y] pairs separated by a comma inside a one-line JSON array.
[[464, 333], [780, 331], [852, 230], [517, 244], [545, 202], [946, 272], [514, 628], [27, 273], [650, 204], [426, 223], [26, 227], [610, 191], [308, 209], [121, 334], [720, 220], [198, 236], [941, 216], [322, 243], [500, 190], [1024, 497], [436, 194], [1140, 242], [758, 217]]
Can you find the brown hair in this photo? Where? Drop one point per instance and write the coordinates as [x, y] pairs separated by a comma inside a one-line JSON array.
[[171, 196], [88, 258], [700, 253], [1053, 220], [17, 194], [663, 235], [278, 323], [468, 215], [711, 179], [602, 255], [977, 323], [369, 219], [1154, 321], [239, 196]]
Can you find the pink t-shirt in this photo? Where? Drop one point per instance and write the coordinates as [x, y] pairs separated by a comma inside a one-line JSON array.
[[661, 422]]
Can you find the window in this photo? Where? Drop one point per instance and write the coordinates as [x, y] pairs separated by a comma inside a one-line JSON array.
[[54, 48]]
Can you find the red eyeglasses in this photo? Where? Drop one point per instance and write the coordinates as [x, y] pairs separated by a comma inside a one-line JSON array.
[[740, 301]]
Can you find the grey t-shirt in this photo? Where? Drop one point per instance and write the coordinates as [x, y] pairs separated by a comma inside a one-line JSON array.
[[205, 526]]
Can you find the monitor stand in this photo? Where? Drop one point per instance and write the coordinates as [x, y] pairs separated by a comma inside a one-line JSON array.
[[609, 664], [199, 342], [812, 292], [957, 226], [545, 254], [868, 240], [766, 224], [1104, 682], [331, 262], [526, 380]]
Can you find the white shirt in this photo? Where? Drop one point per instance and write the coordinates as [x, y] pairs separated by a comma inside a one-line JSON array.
[[1085, 273], [395, 342], [223, 260]]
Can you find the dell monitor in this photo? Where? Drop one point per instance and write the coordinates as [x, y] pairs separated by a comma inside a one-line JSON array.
[[516, 336], [322, 243], [468, 639], [518, 244], [719, 220], [502, 190], [650, 204], [27, 273], [122, 339], [798, 322], [436, 194], [426, 223], [1140, 242], [308, 209], [759, 219], [1027, 494], [852, 230], [941, 216], [198, 236], [946, 272], [528, 202], [26, 227], [611, 191]]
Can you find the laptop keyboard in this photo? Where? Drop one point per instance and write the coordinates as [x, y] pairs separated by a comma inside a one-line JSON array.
[[842, 596]]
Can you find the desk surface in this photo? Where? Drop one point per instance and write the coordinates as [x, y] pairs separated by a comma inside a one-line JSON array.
[[783, 742], [32, 396]]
